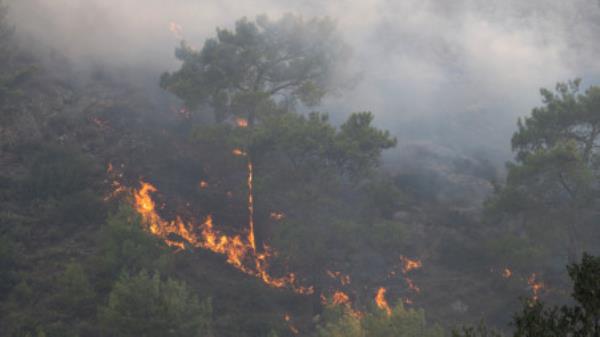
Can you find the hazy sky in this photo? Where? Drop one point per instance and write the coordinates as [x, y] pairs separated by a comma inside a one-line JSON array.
[[455, 71]]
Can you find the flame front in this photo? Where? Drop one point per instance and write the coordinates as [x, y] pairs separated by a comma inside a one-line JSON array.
[[340, 297], [408, 264], [241, 253], [382, 302]]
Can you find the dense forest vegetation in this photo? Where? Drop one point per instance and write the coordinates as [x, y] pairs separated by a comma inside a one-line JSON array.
[[231, 206]]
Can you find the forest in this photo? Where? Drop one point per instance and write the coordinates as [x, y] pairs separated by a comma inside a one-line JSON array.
[[221, 198]]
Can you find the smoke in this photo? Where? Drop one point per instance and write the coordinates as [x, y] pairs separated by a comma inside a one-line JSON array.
[[456, 73]]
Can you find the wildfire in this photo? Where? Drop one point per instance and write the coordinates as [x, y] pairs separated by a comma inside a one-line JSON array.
[[203, 184], [340, 297], [276, 216], [250, 183], [536, 286], [241, 122], [288, 319], [344, 279], [241, 253], [238, 152], [506, 273], [411, 285], [408, 264], [117, 188], [184, 112], [176, 29], [382, 302]]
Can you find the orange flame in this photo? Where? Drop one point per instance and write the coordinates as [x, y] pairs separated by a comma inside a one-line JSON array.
[[344, 279], [412, 286], [241, 122], [203, 184], [382, 302], [250, 183], [288, 319], [238, 152], [506, 273], [240, 253], [535, 285], [408, 264], [339, 297]]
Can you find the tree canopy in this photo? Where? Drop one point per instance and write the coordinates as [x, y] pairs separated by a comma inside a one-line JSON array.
[[245, 72], [555, 177]]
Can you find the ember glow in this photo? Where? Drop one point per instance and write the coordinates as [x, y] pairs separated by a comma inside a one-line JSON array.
[[176, 30], [203, 184], [276, 216], [241, 122], [238, 152], [342, 278], [340, 297], [250, 183], [536, 286], [288, 319], [407, 266], [382, 302], [506, 273]]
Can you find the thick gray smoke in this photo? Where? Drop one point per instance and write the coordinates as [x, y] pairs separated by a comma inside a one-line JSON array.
[[452, 72]]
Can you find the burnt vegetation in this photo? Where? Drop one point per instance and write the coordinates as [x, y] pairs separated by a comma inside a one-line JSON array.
[[223, 203]]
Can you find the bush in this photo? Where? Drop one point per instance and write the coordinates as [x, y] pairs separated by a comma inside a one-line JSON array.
[[144, 305]]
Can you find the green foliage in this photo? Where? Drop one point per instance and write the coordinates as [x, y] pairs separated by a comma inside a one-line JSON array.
[[241, 72], [586, 291], [144, 305], [345, 326], [553, 182], [312, 146], [361, 143], [402, 322], [580, 320], [125, 247], [8, 266], [62, 186], [13, 76], [476, 331], [75, 296]]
